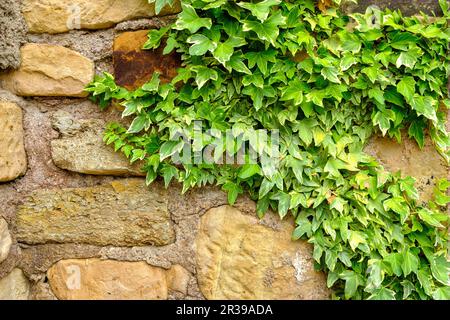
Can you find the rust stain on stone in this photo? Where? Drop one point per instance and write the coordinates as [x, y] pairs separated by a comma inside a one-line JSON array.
[[133, 66]]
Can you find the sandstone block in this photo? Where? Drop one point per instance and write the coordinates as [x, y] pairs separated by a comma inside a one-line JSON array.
[[178, 279], [5, 240], [122, 213], [94, 279], [50, 70], [13, 159], [14, 286], [56, 16], [239, 258], [81, 148]]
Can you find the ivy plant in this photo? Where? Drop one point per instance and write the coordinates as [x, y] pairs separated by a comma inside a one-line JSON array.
[[327, 82]]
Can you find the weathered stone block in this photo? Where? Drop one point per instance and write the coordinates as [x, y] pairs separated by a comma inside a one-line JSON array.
[[425, 165], [122, 213], [178, 279], [12, 33], [14, 286], [81, 148], [56, 16], [95, 279], [5, 240], [133, 66], [13, 159], [50, 70], [240, 258]]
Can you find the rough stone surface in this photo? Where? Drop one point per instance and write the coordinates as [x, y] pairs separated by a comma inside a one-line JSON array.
[[133, 66], [12, 33], [122, 213], [13, 159], [408, 7], [14, 286], [50, 70], [38, 133], [5, 240], [81, 148], [146, 23], [238, 258], [425, 165], [94, 279], [56, 16], [178, 279], [94, 45], [185, 211]]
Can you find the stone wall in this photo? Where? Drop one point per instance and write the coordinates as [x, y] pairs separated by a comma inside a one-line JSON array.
[[76, 220]]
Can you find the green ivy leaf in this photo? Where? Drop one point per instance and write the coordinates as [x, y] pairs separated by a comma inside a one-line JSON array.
[[424, 106], [355, 239], [203, 75], [169, 148], [407, 87], [169, 172], [331, 73], [399, 206], [395, 261], [150, 177], [425, 281], [427, 216], [408, 288], [261, 59], [284, 201], [442, 293], [153, 84], [410, 262], [155, 36], [138, 124], [236, 63], [294, 91], [267, 30], [440, 268], [407, 59], [352, 282], [382, 294], [200, 45], [416, 131], [189, 19], [249, 170], [137, 154], [233, 191], [376, 274], [260, 9], [266, 186]]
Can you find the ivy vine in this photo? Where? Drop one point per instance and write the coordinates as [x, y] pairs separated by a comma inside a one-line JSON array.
[[327, 81]]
